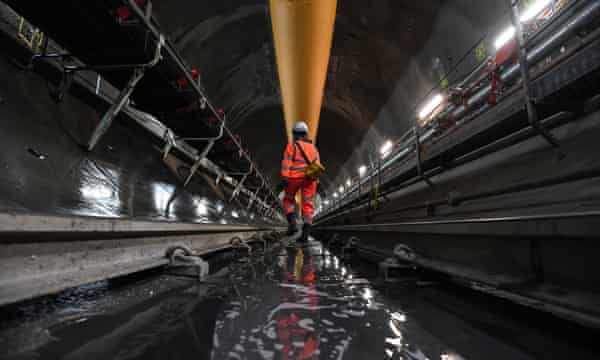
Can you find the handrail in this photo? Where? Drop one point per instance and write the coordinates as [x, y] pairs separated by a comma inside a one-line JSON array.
[[146, 120], [564, 25], [147, 21]]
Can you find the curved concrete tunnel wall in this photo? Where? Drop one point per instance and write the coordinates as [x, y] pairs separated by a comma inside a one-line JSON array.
[[45, 168]]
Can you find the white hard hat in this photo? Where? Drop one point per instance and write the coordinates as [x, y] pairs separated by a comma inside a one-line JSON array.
[[301, 127]]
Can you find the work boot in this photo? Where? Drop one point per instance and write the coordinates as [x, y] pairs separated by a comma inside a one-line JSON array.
[[305, 232], [291, 218]]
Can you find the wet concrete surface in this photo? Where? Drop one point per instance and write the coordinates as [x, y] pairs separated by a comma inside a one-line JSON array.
[[292, 302], [46, 169]]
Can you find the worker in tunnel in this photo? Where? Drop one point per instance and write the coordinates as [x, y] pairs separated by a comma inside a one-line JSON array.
[[298, 158]]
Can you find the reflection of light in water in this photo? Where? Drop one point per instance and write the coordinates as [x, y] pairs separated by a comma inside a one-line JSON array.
[[368, 295], [235, 214], [344, 271], [395, 329], [394, 341], [219, 208], [98, 191], [389, 353], [162, 194], [201, 207], [399, 317], [451, 356]]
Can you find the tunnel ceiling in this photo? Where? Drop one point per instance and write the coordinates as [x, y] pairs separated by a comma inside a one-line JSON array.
[[230, 43]]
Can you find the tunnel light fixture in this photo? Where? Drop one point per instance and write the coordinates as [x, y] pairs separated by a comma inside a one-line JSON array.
[[386, 148], [526, 16], [341, 189], [367, 294], [362, 170], [534, 10], [326, 202], [335, 194], [348, 182], [505, 37], [431, 106], [201, 207]]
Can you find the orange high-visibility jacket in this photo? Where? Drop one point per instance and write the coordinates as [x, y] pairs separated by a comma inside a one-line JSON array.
[[293, 163]]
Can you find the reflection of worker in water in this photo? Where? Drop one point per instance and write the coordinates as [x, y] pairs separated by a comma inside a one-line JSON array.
[[299, 339], [298, 155]]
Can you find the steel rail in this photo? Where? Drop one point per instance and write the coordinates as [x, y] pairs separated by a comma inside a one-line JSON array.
[[568, 215]]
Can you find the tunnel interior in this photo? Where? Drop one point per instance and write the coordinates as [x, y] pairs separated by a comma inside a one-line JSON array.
[[145, 210]]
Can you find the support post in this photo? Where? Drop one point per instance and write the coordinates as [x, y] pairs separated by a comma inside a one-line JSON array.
[[532, 114], [123, 98], [115, 108], [238, 188], [205, 151], [255, 195], [418, 156], [169, 143]]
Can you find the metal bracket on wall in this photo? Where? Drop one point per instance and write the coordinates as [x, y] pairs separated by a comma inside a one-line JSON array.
[[169, 143], [255, 195], [264, 202], [238, 188], [418, 157], [36, 57], [218, 179], [123, 97], [532, 114], [205, 151]]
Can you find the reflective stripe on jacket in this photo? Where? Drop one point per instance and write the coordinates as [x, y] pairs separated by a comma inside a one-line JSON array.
[[293, 163]]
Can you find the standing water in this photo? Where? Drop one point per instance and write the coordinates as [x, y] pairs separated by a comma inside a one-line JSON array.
[[292, 302]]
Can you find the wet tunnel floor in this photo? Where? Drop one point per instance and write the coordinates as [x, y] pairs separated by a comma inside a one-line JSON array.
[[294, 302]]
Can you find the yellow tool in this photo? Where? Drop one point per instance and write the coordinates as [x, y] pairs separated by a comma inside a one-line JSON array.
[[303, 31]]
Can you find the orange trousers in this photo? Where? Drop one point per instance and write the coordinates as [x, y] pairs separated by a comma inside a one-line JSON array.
[[308, 190]]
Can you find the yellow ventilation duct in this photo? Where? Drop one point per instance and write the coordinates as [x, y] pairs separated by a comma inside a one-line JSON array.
[[303, 31]]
